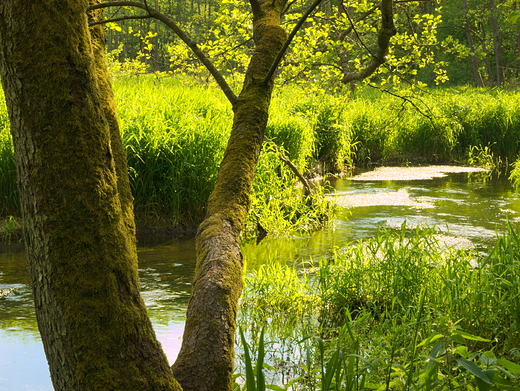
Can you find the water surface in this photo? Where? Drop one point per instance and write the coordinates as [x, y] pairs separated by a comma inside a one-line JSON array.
[[472, 206]]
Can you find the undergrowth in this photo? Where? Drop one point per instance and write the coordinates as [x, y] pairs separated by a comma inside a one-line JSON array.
[[175, 131], [401, 311]]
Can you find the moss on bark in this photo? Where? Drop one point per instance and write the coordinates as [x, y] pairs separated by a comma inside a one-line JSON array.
[[206, 360], [76, 202]]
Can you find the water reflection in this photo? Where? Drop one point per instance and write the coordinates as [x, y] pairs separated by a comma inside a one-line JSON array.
[[462, 205], [165, 270]]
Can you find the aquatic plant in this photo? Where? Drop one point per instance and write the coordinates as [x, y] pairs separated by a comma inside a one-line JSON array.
[[399, 311]]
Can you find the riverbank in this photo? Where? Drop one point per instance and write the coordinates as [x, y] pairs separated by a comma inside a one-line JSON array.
[[175, 132], [283, 294]]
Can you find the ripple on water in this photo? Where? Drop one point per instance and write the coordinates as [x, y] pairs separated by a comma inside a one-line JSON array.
[[400, 197]]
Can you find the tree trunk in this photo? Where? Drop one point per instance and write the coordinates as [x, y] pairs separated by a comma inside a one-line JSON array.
[[471, 46], [491, 78], [76, 202], [496, 44], [205, 361]]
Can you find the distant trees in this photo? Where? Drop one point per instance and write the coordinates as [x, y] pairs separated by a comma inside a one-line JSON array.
[[453, 41], [490, 31]]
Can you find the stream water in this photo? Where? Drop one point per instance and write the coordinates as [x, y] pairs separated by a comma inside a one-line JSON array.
[[469, 207]]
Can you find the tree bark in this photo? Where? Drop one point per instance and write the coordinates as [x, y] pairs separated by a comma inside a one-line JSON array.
[[76, 202], [205, 361], [471, 46], [496, 44]]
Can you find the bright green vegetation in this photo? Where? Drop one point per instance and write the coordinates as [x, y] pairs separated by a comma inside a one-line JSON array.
[[175, 132], [400, 311], [450, 42]]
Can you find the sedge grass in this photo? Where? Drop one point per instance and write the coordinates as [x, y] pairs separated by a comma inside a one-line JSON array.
[[400, 311], [175, 132]]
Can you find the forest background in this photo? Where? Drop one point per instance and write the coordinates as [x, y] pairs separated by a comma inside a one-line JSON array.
[[446, 95]]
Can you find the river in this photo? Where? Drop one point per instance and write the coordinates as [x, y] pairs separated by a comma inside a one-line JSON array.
[[468, 207]]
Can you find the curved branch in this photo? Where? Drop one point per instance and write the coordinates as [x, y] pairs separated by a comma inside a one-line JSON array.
[[387, 31], [130, 17], [283, 50], [363, 16], [306, 184], [153, 13]]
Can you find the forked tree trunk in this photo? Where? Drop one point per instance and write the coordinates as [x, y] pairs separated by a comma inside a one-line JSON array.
[[76, 202], [205, 361]]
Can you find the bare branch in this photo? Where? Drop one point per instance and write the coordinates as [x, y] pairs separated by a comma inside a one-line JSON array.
[[283, 50], [386, 32], [153, 13], [306, 184], [119, 19]]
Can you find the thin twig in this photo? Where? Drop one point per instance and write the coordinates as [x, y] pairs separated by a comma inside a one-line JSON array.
[[284, 48], [153, 13], [130, 17], [307, 186]]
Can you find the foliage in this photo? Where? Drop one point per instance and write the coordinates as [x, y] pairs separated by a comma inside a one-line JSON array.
[[175, 131], [9, 203], [331, 43], [400, 311]]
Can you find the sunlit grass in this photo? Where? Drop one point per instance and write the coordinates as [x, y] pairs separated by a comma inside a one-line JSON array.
[[400, 311], [175, 132]]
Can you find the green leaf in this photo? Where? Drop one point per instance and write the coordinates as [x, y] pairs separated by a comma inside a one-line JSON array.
[[488, 359], [510, 366], [260, 379], [250, 375], [430, 339], [469, 336], [474, 370], [482, 385], [506, 384], [462, 350]]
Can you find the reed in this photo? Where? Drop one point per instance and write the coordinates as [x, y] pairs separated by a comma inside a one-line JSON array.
[[9, 203], [397, 312], [175, 131]]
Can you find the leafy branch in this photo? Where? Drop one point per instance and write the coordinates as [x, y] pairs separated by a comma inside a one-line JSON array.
[[153, 13]]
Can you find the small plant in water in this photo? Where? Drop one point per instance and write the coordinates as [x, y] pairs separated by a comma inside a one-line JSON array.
[[396, 312], [8, 228]]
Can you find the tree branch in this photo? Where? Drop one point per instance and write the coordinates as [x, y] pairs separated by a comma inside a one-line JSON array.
[[92, 24], [306, 185], [364, 15], [283, 50], [387, 31], [153, 13]]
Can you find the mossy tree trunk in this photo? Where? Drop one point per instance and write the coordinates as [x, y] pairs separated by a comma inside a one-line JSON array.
[[205, 362], [77, 205], [76, 202]]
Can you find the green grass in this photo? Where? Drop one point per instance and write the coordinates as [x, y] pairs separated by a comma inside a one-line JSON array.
[[174, 136], [175, 131], [400, 311]]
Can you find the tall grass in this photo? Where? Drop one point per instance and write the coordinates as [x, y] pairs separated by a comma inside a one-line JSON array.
[[175, 132], [400, 311], [174, 136], [9, 203]]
